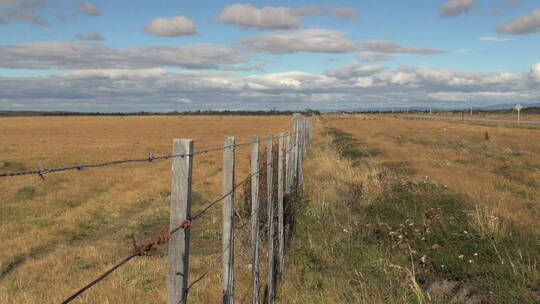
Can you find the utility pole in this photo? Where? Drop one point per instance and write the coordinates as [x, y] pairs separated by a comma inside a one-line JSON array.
[[470, 103]]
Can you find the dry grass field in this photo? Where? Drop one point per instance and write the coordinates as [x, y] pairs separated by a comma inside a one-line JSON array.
[[502, 173], [395, 210], [418, 211], [62, 232]]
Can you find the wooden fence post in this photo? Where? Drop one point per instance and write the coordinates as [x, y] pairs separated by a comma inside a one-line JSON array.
[[288, 174], [280, 205], [301, 143], [228, 220], [181, 178], [255, 218], [269, 203], [296, 118]]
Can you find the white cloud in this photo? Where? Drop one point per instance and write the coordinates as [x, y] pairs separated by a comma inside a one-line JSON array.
[[23, 10], [354, 70], [368, 56], [310, 40], [535, 73], [461, 51], [495, 39], [456, 7], [89, 8], [342, 11], [171, 27], [279, 17], [264, 18], [33, 11], [115, 74], [93, 36], [184, 100], [389, 47], [79, 55], [526, 24]]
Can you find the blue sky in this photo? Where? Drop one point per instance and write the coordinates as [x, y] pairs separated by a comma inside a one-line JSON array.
[[180, 55]]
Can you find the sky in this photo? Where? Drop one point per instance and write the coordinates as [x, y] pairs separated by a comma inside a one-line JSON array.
[[111, 56]]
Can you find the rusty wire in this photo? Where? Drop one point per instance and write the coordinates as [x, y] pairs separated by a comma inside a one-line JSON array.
[[162, 239]]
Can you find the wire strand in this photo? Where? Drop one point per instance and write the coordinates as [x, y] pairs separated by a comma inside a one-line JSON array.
[[42, 171]]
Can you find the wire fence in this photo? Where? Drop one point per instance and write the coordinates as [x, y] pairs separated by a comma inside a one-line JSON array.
[[294, 152]]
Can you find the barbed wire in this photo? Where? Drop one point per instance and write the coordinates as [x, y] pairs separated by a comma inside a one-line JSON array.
[[166, 234], [162, 239], [151, 157]]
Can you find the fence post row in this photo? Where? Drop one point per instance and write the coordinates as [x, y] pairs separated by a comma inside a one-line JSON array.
[[280, 205], [292, 148], [270, 207], [255, 218], [301, 152], [178, 256], [228, 220]]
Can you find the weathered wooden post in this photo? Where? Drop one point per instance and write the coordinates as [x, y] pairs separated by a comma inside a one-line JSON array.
[[300, 153], [228, 220], [294, 179], [255, 218], [288, 169], [269, 203], [177, 279], [280, 205]]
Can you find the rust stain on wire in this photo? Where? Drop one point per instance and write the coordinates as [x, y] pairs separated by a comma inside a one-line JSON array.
[[162, 239]]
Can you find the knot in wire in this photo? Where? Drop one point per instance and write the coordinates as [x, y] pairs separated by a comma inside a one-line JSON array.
[[162, 239], [42, 171], [186, 224], [150, 157]]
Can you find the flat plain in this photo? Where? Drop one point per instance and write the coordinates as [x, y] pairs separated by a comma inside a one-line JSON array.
[[405, 210], [61, 232], [395, 210]]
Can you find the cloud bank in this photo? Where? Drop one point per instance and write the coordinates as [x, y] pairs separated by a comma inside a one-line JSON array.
[[352, 86], [82, 55]]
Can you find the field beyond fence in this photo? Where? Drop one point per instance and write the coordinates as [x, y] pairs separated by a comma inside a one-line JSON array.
[[289, 147]]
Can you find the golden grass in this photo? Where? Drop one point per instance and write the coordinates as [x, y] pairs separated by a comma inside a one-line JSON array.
[[502, 174], [327, 179], [62, 232], [499, 178]]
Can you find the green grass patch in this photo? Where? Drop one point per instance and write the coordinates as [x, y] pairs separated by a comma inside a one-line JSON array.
[[416, 233], [10, 166], [398, 167], [25, 193], [416, 226], [348, 146]]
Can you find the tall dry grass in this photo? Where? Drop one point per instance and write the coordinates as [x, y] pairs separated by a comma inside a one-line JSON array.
[[502, 174], [62, 232]]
